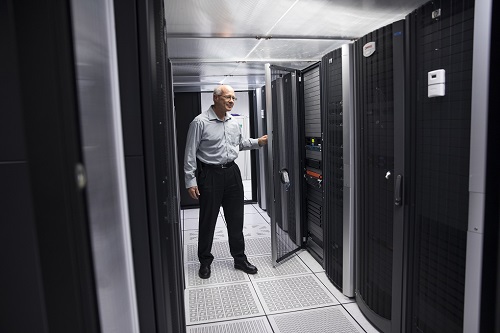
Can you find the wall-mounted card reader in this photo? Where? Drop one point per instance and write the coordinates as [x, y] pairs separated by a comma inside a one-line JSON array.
[[436, 82]]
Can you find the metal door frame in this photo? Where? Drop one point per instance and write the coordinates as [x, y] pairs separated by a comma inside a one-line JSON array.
[[349, 217]]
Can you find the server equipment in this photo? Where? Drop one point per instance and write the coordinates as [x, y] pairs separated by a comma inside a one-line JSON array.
[[338, 156], [413, 125], [380, 170], [313, 195], [441, 37]]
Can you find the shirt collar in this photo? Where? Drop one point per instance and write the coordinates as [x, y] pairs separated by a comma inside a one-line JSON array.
[[213, 116]]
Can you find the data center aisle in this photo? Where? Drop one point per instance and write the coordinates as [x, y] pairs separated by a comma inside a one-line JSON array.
[[294, 297]]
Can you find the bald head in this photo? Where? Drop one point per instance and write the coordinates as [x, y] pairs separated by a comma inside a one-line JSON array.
[[223, 89]]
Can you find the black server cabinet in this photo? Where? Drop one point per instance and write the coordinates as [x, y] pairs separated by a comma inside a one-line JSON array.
[[412, 239], [48, 281], [441, 38], [379, 111], [150, 143], [338, 157], [162, 183], [334, 159]]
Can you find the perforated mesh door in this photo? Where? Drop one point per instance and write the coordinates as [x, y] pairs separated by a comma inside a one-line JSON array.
[[375, 130], [333, 158], [287, 210], [441, 151]]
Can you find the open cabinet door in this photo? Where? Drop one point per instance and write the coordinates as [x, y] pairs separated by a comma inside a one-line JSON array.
[[284, 163]]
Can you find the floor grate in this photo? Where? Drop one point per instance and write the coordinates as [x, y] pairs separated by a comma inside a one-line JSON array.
[[217, 303], [293, 293], [326, 320], [253, 325], [222, 272], [257, 230]]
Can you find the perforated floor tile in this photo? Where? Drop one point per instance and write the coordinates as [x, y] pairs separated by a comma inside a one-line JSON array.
[[222, 272], [293, 293], [249, 231], [326, 320], [257, 230], [292, 266], [252, 325], [221, 302], [220, 250], [191, 236]]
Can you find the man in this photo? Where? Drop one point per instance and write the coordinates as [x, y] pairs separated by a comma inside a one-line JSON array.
[[212, 177]]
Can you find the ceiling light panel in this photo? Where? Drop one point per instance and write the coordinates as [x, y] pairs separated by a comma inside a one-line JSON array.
[[208, 84], [225, 17], [211, 49], [342, 18], [203, 69], [287, 50], [314, 18]]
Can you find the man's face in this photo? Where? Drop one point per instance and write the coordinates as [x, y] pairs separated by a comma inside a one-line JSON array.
[[226, 100]]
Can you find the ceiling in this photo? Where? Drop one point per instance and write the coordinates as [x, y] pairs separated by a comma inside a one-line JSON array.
[[229, 41]]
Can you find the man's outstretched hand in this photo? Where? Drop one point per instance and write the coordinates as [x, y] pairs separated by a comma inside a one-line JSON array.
[[263, 140]]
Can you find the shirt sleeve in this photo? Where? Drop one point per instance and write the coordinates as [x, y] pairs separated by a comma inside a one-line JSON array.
[[247, 144], [192, 143]]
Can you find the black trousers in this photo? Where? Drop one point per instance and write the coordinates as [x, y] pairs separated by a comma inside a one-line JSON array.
[[220, 187]]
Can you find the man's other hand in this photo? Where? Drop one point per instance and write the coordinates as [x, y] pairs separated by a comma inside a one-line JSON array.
[[193, 192]]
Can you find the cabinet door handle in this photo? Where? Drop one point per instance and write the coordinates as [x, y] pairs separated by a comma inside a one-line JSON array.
[[398, 190]]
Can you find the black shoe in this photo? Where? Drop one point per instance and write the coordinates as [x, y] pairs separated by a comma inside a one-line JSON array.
[[245, 266], [204, 271]]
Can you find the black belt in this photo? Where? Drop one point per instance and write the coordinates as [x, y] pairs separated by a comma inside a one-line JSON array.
[[218, 166]]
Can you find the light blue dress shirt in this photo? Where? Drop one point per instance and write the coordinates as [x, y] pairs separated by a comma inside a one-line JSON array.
[[213, 141]]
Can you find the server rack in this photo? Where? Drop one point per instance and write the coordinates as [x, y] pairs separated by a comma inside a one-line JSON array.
[[441, 37], [314, 167], [379, 174], [338, 132], [412, 239], [149, 123]]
